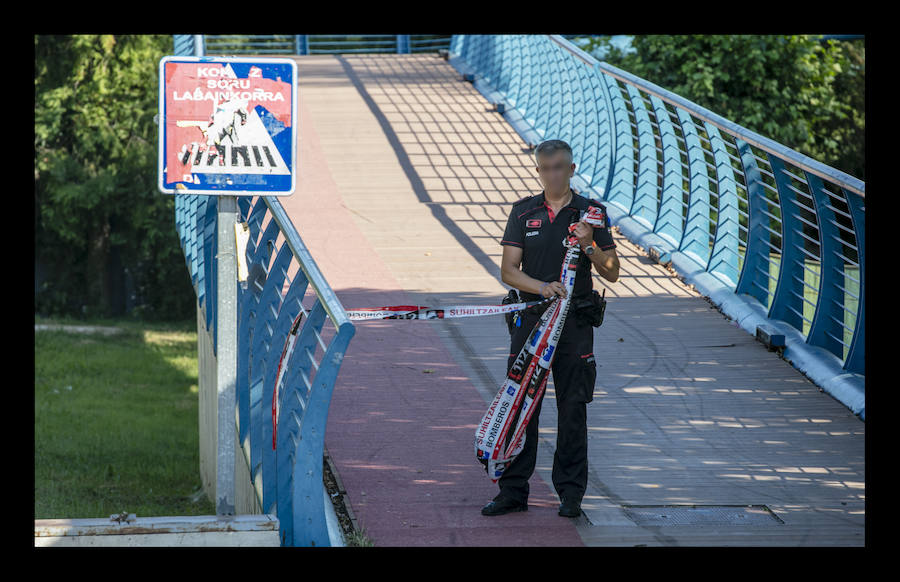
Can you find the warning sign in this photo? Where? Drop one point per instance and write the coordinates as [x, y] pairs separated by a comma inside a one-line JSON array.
[[227, 125]]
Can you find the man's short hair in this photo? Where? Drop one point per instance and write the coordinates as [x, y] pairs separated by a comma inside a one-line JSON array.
[[552, 146]]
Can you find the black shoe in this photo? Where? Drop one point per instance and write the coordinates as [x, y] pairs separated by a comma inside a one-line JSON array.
[[503, 505], [569, 507]]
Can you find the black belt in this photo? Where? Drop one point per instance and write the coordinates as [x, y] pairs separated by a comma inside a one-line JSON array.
[[587, 307], [534, 297]]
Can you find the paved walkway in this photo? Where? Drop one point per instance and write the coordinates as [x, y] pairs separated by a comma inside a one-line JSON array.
[[405, 181]]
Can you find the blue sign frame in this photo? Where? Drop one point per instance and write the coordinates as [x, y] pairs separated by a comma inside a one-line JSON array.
[[224, 127]]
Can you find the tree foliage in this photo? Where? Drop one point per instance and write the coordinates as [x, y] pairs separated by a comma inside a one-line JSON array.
[[105, 237], [800, 91]]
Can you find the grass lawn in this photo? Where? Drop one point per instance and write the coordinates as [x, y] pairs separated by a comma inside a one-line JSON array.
[[115, 422]]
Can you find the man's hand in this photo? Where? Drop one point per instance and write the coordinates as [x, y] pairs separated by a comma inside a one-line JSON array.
[[585, 233], [553, 288]]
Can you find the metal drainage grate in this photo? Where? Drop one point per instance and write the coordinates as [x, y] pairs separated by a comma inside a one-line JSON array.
[[702, 515]]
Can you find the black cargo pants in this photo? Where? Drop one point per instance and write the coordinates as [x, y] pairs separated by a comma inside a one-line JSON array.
[[574, 373]]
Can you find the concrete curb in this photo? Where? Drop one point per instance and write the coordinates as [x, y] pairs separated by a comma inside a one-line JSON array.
[[335, 535], [172, 531]]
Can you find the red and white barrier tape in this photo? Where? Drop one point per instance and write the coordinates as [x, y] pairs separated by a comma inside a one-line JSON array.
[[423, 312]]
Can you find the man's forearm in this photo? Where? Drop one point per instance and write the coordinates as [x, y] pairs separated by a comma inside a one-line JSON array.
[[606, 263], [514, 277]]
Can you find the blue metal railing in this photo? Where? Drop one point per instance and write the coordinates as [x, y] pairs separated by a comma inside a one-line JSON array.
[[771, 235], [292, 473], [288, 480], [303, 44]]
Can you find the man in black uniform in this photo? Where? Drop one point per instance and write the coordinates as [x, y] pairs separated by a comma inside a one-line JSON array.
[[533, 253]]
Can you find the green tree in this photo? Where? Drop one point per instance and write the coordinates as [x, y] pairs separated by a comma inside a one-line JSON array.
[[103, 232], [797, 90]]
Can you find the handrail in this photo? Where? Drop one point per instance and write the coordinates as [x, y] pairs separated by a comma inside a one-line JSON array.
[[333, 305], [768, 145], [287, 478], [772, 237]]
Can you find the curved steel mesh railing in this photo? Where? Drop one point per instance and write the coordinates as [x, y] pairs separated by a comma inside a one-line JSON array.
[[732, 209], [282, 276]]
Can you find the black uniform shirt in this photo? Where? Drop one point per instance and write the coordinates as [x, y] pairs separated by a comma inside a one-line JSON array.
[[534, 227]]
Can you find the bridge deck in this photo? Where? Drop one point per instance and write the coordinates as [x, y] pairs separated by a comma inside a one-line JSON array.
[[405, 181]]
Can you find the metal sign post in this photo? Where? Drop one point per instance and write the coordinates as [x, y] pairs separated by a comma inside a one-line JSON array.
[[227, 128], [226, 361]]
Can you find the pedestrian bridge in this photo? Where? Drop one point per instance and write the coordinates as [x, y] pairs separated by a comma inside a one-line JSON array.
[[700, 434]]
